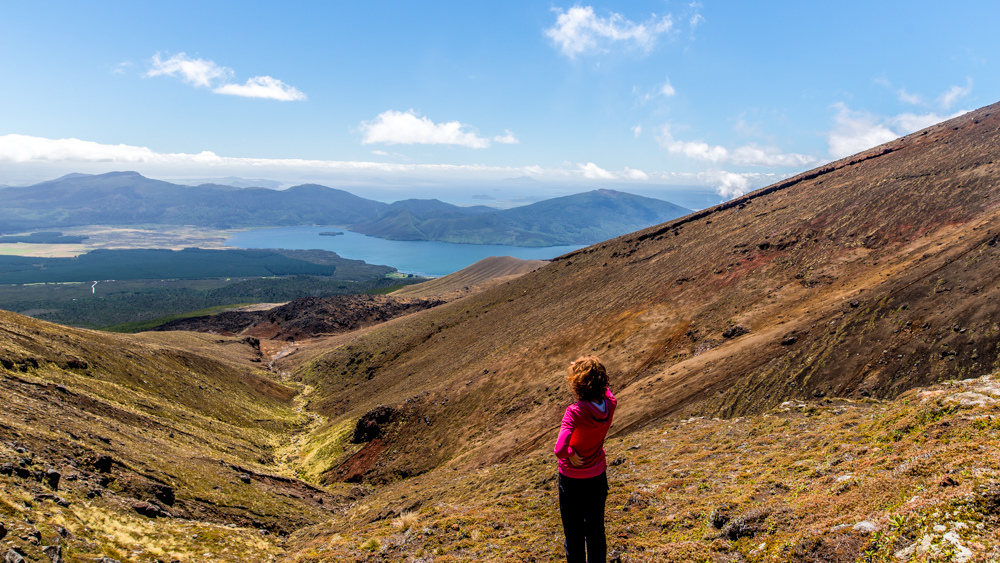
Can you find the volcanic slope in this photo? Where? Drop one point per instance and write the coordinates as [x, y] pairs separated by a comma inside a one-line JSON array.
[[865, 277], [146, 447], [481, 275]]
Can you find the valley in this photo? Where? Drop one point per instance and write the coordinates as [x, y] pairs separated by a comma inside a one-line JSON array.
[[805, 373]]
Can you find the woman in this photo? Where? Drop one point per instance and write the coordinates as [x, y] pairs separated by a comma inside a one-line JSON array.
[[583, 482]]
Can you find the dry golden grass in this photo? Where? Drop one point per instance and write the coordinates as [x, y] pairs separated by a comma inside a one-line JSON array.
[[788, 485]]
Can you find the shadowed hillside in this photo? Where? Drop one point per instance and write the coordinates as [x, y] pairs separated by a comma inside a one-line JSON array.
[[162, 441], [865, 277]]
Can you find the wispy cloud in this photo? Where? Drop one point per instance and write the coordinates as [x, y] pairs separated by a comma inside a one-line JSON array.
[[908, 98], [507, 138], [197, 72], [667, 90], [856, 131], [121, 67], [955, 93], [406, 128], [202, 73], [637, 130], [580, 31], [262, 87], [746, 155]]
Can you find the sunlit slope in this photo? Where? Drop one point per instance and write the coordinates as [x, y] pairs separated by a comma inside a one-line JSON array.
[[483, 272], [864, 277]]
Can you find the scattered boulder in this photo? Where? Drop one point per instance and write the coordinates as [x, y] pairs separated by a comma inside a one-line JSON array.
[[106, 560], [11, 556], [164, 494], [52, 478], [948, 481], [734, 331], [54, 552], [865, 527], [7, 469], [245, 477], [3, 531], [103, 463], [748, 524], [149, 509], [788, 341], [370, 425]]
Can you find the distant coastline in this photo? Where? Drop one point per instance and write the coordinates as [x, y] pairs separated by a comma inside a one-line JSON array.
[[331, 233]]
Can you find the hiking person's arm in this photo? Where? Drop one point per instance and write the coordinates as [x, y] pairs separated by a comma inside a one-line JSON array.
[[563, 450]]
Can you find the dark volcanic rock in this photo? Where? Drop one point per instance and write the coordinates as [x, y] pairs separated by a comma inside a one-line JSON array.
[[52, 478], [54, 552], [148, 509], [306, 317], [3, 531], [734, 331], [370, 425], [164, 494], [103, 463]]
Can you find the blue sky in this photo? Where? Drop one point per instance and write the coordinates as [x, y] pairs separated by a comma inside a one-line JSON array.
[[407, 99]]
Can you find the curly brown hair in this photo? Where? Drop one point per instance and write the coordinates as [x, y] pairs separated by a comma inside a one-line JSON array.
[[588, 378]]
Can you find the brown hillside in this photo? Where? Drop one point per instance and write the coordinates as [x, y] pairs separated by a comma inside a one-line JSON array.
[[867, 276], [485, 273]]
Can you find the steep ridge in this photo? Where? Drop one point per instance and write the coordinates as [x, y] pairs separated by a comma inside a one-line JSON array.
[[865, 277], [491, 270]]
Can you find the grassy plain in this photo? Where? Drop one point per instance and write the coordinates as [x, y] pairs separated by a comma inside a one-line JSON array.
[[101, 236]]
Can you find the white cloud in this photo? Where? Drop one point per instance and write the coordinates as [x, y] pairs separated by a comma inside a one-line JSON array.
[[595, 172], [635, 174], [637, 130], [579, 31], [592, 171], [507, 138], [727, 184], [667, 90], [121, 67], [908, 98], [695, 20], [405, 128], [197, 72], [856, 131], [955, 93], [747, 155], [262, 87], [380, 153], [201, 73]]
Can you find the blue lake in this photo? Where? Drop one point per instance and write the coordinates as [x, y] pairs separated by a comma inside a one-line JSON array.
[[424, 258]]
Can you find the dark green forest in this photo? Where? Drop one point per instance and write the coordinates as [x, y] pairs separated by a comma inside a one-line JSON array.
[[140, 285]]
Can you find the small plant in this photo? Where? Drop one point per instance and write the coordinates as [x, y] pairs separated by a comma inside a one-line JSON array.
[[405, 521], [370, 545], [898, 522]]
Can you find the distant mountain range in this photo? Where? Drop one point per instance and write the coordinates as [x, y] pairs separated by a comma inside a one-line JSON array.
[[128, 198]]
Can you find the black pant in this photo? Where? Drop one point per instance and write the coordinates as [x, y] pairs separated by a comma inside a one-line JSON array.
[[581, 505]]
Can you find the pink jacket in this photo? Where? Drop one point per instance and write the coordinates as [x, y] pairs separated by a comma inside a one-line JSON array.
[[584, 427]]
